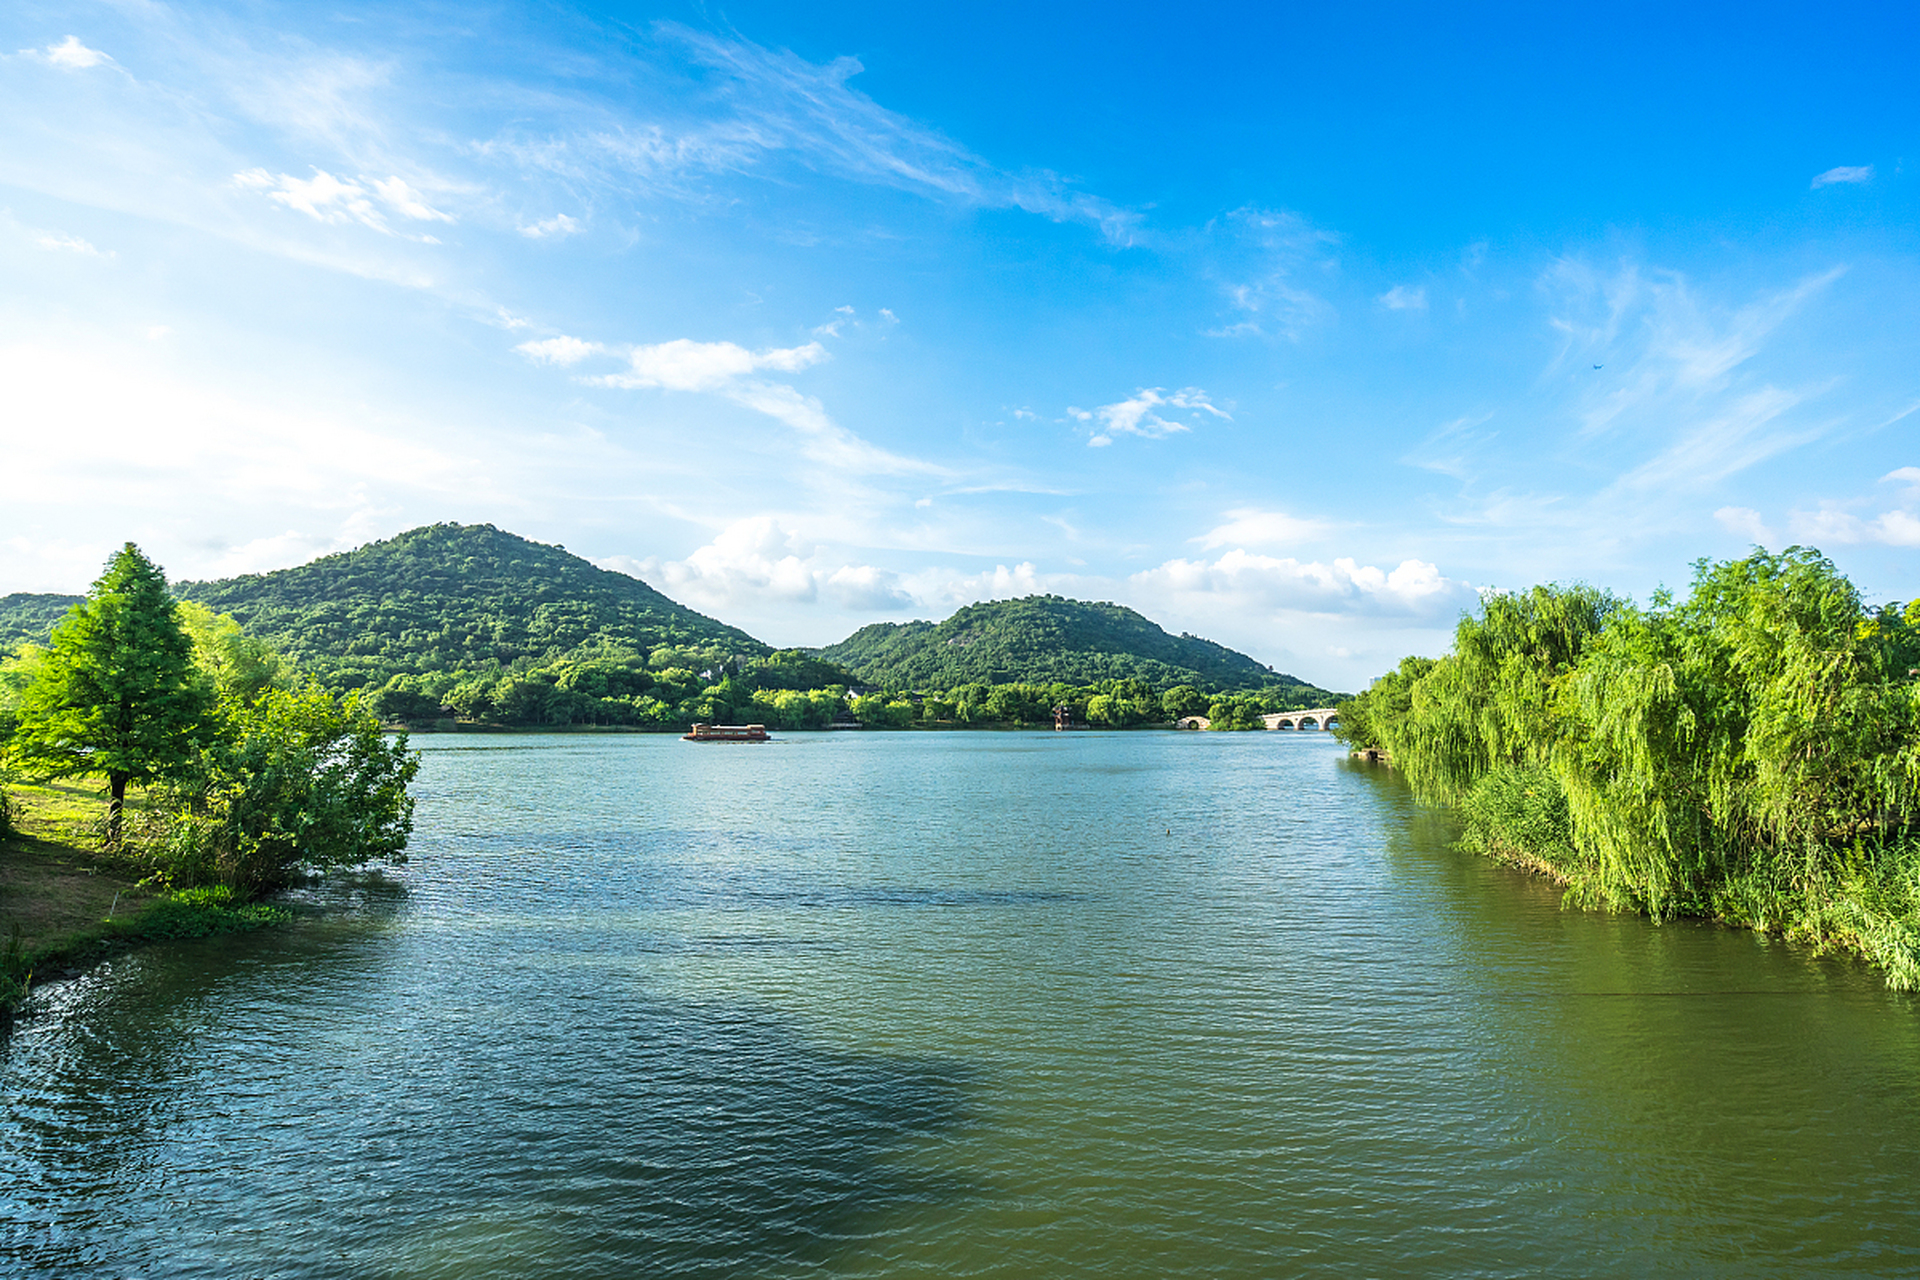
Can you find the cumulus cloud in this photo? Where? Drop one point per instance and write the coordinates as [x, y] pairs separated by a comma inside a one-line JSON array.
[[757, 560], [1835, 521], [1401, 298], [339, 201], [563, 351], [1268, 583], [1855, 173], [1830, 525], [1135, 415], [558, 225]]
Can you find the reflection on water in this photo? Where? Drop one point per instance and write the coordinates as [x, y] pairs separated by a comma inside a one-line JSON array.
[[991, 1004]]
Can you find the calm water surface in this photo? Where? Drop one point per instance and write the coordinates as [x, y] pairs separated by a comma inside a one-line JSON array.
[[907, 1005]]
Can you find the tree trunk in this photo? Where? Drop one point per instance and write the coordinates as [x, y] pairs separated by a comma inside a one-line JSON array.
[[116, 804]]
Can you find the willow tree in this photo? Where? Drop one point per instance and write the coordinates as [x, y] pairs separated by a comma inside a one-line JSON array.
[[116, 695], [1741, 742], [1489, 705]]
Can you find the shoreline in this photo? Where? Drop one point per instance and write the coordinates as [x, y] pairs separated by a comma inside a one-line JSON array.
[[68, 907]]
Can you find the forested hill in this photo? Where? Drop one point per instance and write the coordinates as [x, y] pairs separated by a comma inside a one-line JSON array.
[[28, 618], [1042, 639], [451, 597]]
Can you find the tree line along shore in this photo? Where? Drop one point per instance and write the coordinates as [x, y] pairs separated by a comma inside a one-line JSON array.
[[1749, 755]]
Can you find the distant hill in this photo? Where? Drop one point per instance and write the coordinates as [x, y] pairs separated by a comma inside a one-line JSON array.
[[28, 618], [1043, 639], [451, 597]]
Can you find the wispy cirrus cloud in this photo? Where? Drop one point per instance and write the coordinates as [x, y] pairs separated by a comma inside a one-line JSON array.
[[1253, 527], [1268, 262], [736, 373], [1845, 173], [747, 109]]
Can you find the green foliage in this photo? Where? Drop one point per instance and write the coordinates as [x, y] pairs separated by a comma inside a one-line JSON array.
[[1186, 700], [1366, 720], [298, 781], [459, 598], [1045, 640], [29, 619], [1750, 754], [116, 694], [881, 712], [236, 666], [1518, 813], [204, 913]]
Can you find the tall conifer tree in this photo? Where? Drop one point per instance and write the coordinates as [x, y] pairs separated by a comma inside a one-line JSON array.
[[116, 696]]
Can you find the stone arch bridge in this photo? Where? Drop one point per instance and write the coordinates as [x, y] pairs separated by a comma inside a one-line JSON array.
[[1317, 718]]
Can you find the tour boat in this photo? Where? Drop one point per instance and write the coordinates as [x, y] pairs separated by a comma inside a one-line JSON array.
[[728, 733]]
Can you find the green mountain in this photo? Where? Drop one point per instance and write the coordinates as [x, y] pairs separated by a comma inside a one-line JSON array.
[[26, 618], [1044, 639], [452, 597]]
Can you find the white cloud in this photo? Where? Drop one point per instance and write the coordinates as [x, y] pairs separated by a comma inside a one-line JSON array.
[[782, 109], [758, 560], [686, 365], [1401, 298], [1909, 476], [1135, 415], [322, 197], [1843, 173], [1265, 253], [1268, 583], [1746, 522], [563, 351], [70, 55], [407, 202], [1830, 525], [727, 369], [558, 225], [1741, 436], [1249, 526], [69, 244], [339, 201]]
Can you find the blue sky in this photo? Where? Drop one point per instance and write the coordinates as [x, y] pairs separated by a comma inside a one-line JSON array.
[[1291, 328]]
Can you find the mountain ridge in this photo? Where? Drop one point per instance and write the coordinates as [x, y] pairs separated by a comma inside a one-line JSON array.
[[452, 598], [1044, 639]]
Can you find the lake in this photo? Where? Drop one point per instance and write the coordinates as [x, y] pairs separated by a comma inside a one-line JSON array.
[[964, 1004]]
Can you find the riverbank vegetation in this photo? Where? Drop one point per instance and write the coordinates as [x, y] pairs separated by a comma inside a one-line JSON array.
[[1748, 755], [225, 775]]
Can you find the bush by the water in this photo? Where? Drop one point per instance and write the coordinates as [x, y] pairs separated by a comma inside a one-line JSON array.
[[254, 777], [1750, 754]]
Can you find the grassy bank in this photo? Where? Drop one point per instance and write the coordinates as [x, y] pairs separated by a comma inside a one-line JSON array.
[[66, 905]]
